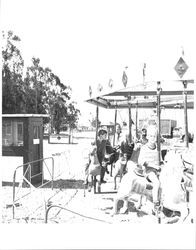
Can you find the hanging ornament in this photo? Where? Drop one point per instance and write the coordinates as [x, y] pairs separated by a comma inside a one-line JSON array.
[[124, 79], [90, 91], [144, 75], [110, 83], [100, 87]]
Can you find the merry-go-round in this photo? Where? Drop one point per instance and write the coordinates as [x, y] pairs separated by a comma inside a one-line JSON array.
[[175, 95]]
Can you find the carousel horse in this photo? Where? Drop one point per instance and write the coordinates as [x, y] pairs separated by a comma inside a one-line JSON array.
[[94, 169], [119, 169], [172, 196], [111, 156]]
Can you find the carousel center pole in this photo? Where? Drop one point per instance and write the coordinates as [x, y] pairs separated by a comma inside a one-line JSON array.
[[136, 119], [115, 119], [97, 121], [185, 114], [130, 120], [158, 122]]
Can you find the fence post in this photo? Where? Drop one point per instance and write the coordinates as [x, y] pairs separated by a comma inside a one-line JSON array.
[[13, 207], [52, 173]]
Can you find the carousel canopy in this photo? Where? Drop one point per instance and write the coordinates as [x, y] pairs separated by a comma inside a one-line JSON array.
[[145, 96]]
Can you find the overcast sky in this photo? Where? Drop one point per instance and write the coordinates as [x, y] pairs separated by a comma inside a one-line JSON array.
[[87, 42]]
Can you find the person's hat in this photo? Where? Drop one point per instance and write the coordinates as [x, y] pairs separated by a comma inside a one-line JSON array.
[[102, 130]]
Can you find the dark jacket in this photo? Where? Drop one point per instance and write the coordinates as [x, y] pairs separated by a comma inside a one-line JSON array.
[[127, 148], [101, 150]]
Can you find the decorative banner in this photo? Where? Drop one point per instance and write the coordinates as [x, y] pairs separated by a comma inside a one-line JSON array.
[[181, 67], [90, 91], [144, 75], [124, 79], [110, 83], [144, 70], [100, 87], [182, 50]]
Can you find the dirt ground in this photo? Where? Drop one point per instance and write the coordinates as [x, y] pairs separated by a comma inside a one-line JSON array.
[[75, 203]]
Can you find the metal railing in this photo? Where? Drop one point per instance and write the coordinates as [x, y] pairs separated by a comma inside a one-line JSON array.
[[73, 212], [27, 178]]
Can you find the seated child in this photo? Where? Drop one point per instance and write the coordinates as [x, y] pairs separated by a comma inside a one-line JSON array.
[[148, 160], [126, 147], [126, 150]]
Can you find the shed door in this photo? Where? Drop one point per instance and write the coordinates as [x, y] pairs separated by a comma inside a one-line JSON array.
[[36, 173]]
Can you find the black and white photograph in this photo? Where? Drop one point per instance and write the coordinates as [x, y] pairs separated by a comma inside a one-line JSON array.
[[97, 124]]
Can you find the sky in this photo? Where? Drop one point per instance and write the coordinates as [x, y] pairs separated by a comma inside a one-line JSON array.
[[88, 42]]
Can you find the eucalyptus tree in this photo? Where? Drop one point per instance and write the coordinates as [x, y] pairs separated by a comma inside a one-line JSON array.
[[47, 94], [71, 119], [13, 94], [35, 89]]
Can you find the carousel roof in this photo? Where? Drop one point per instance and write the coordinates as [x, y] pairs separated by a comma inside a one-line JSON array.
[[145, 96]]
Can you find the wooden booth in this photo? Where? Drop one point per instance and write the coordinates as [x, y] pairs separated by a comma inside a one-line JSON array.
[[22, 135]]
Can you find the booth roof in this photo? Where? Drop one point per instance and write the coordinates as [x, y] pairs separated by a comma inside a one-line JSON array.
[[145, 96], [25, 115]]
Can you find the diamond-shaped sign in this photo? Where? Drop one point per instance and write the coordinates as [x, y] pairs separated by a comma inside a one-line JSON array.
[[181, 67]]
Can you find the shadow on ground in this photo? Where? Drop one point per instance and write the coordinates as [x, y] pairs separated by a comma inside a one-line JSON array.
[[62, 184], [67, 184]]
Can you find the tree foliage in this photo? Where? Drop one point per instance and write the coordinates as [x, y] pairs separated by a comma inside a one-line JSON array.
[[72, 115], [35, 89], [12, 76]]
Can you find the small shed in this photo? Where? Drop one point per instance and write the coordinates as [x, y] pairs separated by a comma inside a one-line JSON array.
[[22, 135]]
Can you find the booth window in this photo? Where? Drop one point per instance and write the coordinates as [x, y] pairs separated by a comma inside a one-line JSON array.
[[36, 134], [12, 134], [19, 134]]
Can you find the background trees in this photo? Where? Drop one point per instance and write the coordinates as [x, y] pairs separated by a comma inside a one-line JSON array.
[[34, 89], [13, 98]]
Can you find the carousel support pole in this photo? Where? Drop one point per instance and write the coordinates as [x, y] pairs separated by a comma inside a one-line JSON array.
[[115, 119], [185, 114], [136, 119], [159, 121], [130, 120], [97, 121]]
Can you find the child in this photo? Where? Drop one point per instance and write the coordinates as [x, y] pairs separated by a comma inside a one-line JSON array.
[[126, 151], [148, 160]]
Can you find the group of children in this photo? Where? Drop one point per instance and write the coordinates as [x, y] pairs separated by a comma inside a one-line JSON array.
[[147, 161]]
